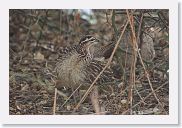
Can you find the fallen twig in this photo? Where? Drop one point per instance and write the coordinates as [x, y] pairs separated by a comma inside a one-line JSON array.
[[146, 97]]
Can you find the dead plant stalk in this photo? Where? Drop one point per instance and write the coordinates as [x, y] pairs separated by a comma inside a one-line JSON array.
[[146, 72], [108, 63], [134, 58]]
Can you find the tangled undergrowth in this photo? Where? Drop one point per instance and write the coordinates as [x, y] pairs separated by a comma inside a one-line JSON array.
[[36, 35]]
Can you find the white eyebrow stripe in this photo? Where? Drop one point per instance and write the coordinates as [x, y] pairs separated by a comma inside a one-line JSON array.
[[85, 40], [89, 39]]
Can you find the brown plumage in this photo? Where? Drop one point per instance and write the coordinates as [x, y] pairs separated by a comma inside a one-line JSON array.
[[79, 64]]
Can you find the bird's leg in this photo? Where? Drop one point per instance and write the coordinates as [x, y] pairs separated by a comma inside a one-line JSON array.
[[95, 101]]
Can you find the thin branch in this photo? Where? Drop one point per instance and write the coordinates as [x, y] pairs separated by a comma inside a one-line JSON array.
[[114, 24], [107, 19], [133, 66], [146, 72], [146, 97], [108, 63], [71, 95], [54, 105], [140, 30]]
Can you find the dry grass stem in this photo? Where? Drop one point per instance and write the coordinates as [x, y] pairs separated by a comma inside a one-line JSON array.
[[54, 105], [108, 63]]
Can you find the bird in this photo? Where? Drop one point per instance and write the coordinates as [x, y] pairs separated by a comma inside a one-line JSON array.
[[80, 64], [147, 48]]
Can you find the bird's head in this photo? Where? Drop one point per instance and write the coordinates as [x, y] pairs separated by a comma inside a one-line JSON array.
[[88, 40], [89, 44]]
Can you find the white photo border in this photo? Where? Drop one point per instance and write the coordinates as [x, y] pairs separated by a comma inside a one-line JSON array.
[[172, 118]]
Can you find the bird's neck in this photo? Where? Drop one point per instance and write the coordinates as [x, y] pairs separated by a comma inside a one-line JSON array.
[[84, 54]]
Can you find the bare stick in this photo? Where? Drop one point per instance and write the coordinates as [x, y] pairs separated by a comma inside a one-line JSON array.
[[133, 66], [71, 95], [113, 23], [145, 97], [54, 105], [94, 99], [146, 72], [108, 63]]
